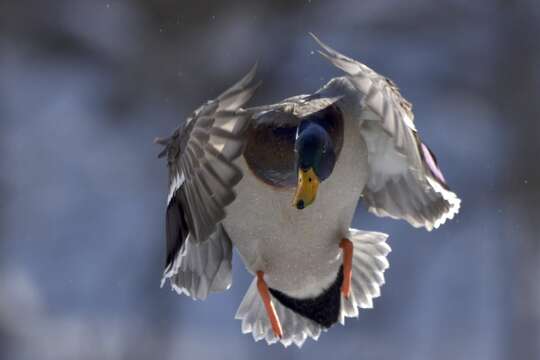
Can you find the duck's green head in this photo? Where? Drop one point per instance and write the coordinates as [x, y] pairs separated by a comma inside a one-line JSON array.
[[315, 159]]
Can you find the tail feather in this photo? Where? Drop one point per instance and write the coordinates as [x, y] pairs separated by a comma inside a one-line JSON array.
[[296, 328], [369, 264]]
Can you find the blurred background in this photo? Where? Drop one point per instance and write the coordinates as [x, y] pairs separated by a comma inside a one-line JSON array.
[[85, 86]]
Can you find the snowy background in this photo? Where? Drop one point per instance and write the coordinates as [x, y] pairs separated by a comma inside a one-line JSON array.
[[85, 86]]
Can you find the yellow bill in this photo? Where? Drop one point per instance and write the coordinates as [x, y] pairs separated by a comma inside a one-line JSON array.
[[306, 189]]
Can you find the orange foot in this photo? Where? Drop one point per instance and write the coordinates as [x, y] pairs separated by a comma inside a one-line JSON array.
[[270, 310], [347, 246]]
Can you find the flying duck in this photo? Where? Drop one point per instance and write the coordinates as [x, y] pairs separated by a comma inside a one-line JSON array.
[[281, 182]]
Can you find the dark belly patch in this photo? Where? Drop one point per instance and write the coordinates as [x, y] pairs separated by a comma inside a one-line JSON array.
[[323, 309]]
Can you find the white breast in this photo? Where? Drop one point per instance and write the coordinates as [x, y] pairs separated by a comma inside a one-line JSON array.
[[298, 250]]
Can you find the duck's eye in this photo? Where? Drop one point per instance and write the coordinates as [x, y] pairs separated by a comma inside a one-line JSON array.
[[309, 179]]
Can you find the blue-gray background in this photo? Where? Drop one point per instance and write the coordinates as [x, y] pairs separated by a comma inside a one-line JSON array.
[[85, 86]]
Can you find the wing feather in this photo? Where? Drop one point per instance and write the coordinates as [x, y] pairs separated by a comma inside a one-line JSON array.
[[405, 181], [200, 156]]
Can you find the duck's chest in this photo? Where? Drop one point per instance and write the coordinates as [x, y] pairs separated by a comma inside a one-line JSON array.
[[292, 245]]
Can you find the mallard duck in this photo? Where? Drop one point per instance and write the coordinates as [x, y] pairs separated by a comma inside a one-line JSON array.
[[280, 183]]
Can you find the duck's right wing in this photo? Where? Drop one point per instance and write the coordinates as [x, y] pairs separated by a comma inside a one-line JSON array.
[[200, 157]]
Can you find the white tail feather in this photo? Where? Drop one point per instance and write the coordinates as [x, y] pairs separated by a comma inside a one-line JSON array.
[[296, 328], [369, 264]]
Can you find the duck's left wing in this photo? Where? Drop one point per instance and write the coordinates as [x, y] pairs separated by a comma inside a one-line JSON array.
[[405, 181]]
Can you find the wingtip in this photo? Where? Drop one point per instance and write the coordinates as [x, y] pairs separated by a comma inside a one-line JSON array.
[[244, 86], [160, 141], [325, 47], [317, 40], [163, 142], [255, 66], [251, 76]]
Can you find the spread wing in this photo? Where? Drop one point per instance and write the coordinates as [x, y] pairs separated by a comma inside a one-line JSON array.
[[200, 156], [405, 181]]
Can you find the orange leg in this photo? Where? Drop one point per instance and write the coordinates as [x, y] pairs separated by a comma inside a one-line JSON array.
[[347, 246], [270, 310]]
